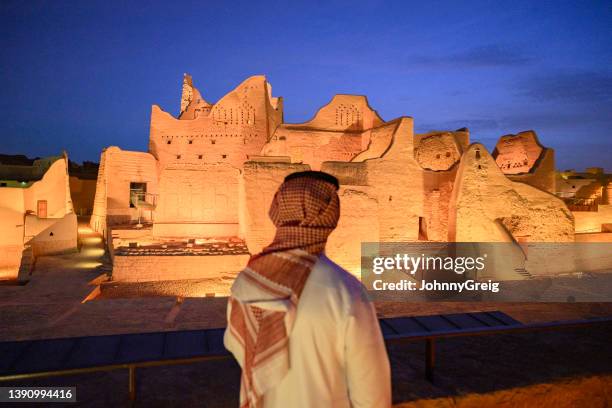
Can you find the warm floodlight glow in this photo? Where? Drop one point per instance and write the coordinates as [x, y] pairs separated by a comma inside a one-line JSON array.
[[91, 240], [93, 252], [88, 265]]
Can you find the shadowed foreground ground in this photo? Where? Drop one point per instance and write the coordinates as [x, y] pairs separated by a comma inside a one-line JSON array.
[[561, 369]]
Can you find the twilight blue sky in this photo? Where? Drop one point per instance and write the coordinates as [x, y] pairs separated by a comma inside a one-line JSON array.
[[82, 75]]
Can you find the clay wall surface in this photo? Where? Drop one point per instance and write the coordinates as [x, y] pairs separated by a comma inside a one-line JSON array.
[[437, 151], [236, 128], [399, 186], [53, 188], [343, 113], [51, 236], [567, 188], [192, 102], [98, 213], [488, 207], [378, 141], [516, 154], [163, 268], [119, 168], [83, 192], [314, 147], [260, 182], [196, 201], [11, 239], [57, 231], [522, 158], [592, 221], [541, 176]]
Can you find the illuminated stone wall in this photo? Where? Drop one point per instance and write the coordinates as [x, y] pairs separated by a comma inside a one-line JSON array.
[[118, 169], [215, 168], [522, 158], [339, 131], [52, 230], [487, 206]]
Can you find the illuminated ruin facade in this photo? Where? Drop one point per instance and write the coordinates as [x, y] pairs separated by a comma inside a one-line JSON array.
[[210, 174], [36, 214]]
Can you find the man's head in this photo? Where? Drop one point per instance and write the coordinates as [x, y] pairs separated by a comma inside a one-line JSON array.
[[305, 210]]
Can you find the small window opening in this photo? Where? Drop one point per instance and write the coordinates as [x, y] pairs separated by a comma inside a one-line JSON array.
[[169, 142], [138, 193], [224, 156], [200, 156]]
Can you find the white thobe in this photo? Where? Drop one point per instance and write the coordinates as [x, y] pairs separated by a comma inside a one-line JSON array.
[[336, 350]]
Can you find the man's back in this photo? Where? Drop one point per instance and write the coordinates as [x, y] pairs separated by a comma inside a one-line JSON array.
[[335, 347]]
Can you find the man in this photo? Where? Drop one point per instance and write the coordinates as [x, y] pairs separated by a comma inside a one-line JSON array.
[[301, 327]]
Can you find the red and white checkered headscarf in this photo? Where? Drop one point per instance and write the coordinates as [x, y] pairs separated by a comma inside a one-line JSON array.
[[265, 295]]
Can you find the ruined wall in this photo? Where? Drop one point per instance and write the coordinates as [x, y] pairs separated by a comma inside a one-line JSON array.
[[343, 113], [358, 215], [192, 102], [97, 221], [593, 221], [522, 158], [235, 129], [198, 201], [167, 268], [53, 188], [398, 182], [11, 240], [260, 181], [569, 187], [486, 206], [313, 147], [378, 140], [21, 224], [438, 151], [339, 131], [51, 236], [119, 168]]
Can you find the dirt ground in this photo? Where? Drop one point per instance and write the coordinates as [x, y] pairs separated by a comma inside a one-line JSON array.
[[560, 369]]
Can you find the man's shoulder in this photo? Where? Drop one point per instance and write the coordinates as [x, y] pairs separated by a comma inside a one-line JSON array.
[[340, 280]]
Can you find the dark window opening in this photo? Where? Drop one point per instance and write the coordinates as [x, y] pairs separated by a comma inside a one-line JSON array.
[[138, 192], [437, 156], [422, 229], [3, 184], [169, 142], [200, 156], [282, 138], [212, 142], [178, 156], [447, 154], [224, 156]]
